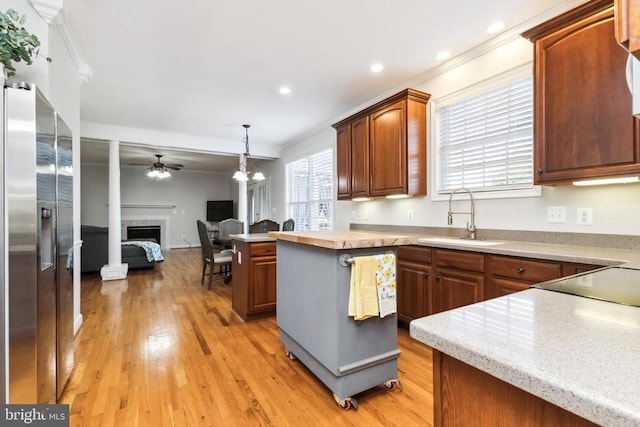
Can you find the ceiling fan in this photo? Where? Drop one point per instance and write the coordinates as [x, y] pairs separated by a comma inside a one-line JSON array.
[[158, 169]]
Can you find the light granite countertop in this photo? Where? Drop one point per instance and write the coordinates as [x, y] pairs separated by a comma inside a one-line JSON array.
[[550, 251], [252, 237], [579, 353]]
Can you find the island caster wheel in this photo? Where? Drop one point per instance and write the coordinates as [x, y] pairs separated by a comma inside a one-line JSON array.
[[347, 403], [393, 385], [290, 355]]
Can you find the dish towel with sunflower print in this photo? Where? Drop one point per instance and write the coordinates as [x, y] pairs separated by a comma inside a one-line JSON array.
[[386, 283], [372, 290]]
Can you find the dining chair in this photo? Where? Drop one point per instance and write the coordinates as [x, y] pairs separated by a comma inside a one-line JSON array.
[[264, 226], [227, 227], [288, 225], [212, 259]]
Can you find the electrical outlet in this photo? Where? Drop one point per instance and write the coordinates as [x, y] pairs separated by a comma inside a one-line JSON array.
[[410, 214], [556, 215], [584, 216]]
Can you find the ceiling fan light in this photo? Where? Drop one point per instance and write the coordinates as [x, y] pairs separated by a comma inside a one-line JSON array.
[[259, 176], [163, 174], [153, 173]]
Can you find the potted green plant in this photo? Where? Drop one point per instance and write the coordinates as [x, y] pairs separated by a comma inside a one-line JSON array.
[[16, 43]]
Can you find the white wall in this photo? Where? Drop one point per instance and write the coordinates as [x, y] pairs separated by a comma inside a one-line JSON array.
[[615, 208], [188, 191]]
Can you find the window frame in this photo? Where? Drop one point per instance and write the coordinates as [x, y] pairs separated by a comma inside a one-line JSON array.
[[330, 199], [472, 90]]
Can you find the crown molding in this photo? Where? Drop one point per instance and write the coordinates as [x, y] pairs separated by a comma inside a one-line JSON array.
[[84, 70], [47, 9], [85, 74], [50, 12]]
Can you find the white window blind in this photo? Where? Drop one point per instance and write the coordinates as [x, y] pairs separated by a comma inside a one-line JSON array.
[[310, 191], [485, 141]]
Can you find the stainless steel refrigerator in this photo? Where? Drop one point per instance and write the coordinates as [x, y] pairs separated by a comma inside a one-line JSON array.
[[38, 207]]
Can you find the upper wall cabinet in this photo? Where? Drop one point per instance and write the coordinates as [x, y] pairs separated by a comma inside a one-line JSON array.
[[627, 14], [382, 150], [583, 127]]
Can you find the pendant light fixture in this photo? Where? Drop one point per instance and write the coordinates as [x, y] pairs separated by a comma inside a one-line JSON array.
[[242, 174]]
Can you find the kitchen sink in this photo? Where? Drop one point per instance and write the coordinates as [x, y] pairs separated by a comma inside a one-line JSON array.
[[459, 241]]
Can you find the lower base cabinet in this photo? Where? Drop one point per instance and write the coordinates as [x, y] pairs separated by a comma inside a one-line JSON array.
[[432, 280], [459, 279], [466, 396], [254, 279], [414, 283]]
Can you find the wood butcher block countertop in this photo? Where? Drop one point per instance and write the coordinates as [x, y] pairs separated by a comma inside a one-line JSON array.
[[344, 239]]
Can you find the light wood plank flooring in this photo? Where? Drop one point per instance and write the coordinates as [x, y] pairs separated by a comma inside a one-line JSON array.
[[159, 349]]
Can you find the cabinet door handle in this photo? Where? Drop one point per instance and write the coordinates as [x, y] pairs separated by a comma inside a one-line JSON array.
[[520, 270], [539, 171], [426, 274], [438, 277]]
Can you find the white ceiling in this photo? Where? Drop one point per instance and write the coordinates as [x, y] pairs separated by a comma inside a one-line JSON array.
[[197, 70]]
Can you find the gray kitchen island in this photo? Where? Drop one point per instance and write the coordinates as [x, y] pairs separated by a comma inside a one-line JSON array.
[[313, 276]]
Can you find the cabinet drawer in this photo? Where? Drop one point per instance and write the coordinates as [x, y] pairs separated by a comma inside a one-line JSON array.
[[262, 249], [503, 286], [525, 269], [470, 261], [415, 253], [571, 268]]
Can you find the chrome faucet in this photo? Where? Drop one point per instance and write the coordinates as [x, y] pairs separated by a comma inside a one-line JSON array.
[[470, 232]]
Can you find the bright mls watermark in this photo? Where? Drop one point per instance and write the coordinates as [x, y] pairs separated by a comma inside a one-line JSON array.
[[35, 415]]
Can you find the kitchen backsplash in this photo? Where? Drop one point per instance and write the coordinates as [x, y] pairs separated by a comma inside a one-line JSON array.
[[579, 239]]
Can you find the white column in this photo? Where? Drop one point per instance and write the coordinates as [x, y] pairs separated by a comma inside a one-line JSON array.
[[242, 196], [115, 269]]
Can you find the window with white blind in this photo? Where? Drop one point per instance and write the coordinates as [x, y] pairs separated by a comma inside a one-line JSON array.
[[310, 191], [484, 136]]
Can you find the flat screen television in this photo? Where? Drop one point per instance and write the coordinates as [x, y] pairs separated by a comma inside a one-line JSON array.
[[218, 210]]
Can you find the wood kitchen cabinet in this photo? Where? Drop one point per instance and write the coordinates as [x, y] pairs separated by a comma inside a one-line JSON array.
[[352, 155], [414, 282], [511, 274], [571, 268], [432, 280], [583, 126], [466, 396], [382, 150], [627, 14], [459, 279], [343, 161], [254, 279]]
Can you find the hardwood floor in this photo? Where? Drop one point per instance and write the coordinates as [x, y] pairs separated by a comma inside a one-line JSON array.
[[159, 349]]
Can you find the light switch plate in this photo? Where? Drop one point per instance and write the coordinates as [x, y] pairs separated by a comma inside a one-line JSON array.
[[556, 215]]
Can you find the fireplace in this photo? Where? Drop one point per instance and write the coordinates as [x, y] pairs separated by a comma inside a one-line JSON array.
[[144, 232], [164, 222]]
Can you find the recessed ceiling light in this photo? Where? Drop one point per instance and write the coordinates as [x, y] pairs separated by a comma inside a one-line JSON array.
[[495, 27], [443, 55], [285, 90], [376, 68]]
